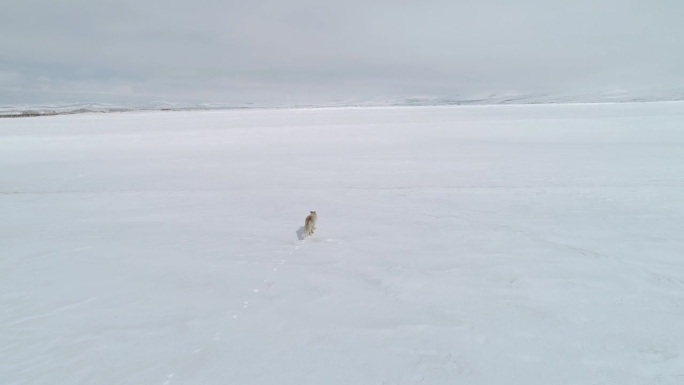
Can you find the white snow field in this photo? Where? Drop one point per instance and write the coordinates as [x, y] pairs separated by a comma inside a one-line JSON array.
[[455, 245]]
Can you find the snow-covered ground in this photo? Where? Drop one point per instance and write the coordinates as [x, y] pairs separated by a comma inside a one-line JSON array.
[[455, 245]]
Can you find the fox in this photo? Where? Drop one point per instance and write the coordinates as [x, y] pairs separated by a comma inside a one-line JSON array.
[[310, 223]]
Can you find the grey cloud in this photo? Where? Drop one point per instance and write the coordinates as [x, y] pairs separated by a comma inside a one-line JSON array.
[[68, 50]]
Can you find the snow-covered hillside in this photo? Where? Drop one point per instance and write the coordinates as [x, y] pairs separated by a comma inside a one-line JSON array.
[[455, 245], [481, 98]]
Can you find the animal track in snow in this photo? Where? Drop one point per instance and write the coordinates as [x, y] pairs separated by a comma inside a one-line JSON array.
[[169, 377], [267, 283]]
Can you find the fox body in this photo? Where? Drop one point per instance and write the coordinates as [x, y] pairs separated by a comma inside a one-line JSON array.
[[310, 223]]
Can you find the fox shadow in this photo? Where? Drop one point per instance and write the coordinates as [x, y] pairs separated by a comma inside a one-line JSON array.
[[300, 233]]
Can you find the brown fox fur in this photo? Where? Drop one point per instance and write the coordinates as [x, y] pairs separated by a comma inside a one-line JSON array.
[[310, 223]]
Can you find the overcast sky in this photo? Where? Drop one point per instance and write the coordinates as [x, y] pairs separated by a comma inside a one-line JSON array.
[[137, 51]]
